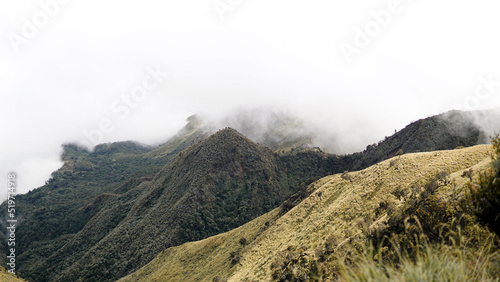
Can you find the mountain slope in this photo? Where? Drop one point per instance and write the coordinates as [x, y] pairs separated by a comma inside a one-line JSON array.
[[336, 204], [213, 186], [53, 214], [97, 198], [441, 132]]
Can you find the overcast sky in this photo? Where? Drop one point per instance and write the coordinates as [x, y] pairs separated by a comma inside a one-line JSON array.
[[358, 68]]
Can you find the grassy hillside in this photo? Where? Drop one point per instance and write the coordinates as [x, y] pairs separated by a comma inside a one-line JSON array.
[[5, 276], [211, 187], [88, 217], [338, 204]]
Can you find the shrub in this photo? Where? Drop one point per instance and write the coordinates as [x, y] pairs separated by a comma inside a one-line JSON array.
[[444, 177], [483, 197], [243, 241], [399, 192], [346, 176], [435, 262], [296, 265], [424, 215], [235, 258], [468, 173]]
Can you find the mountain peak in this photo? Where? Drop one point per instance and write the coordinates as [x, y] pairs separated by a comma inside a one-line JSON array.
[[229, 132], [227, 138]]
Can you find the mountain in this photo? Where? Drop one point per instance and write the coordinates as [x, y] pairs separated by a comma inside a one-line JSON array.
[[279, 131], [108, 212], [54, 213], [275, 243], [440, 132], [211, 187]]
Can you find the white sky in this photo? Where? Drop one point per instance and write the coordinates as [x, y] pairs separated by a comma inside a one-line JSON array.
[[284, 53]]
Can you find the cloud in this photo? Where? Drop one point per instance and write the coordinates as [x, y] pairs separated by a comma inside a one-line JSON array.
[[282, 54]]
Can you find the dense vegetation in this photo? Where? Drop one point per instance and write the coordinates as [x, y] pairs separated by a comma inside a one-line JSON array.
[[430, 238], [484, 196], [442, 132], [53, 214], [327, 235], [108, 212]]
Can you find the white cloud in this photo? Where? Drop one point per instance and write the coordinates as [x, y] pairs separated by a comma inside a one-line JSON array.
[[284, 53]]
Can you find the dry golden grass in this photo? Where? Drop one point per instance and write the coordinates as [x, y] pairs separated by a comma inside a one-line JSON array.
[[183, 263], [5, 276], [333, 208]]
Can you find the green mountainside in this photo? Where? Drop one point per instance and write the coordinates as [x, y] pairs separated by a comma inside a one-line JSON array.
[[212, 187], [108, 212], [323, 236]]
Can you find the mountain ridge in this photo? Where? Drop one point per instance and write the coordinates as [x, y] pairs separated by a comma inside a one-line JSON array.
[[210, 187], [334, 206], [105, 193]]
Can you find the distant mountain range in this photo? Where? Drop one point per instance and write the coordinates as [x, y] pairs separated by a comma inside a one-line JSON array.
[[108, 212]]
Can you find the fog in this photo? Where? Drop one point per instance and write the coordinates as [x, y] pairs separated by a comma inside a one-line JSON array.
[[93, 71]]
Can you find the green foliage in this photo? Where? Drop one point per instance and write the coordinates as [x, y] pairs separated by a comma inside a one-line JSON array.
[[424, 215], [429, 239], [442, 132], [484, 195], [110, 211], [303, 192], [52, 215], [124, 208]]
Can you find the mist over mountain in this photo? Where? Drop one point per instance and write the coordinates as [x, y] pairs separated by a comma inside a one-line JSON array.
[[282, 130], [109, 211], [268, 125], [487, 121], [139, 128]]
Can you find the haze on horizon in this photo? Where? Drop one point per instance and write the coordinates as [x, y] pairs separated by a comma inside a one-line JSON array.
[[68, 72]]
